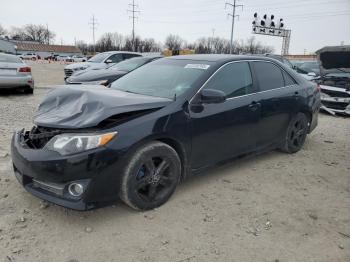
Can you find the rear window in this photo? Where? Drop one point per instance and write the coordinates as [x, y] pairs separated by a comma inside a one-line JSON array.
[[9, 59], [288, 80]]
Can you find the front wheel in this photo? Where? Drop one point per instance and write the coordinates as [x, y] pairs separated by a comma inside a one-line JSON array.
[[296, 134], [151, 176]]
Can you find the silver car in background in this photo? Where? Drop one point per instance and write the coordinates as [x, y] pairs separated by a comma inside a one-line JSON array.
[[15, 74]]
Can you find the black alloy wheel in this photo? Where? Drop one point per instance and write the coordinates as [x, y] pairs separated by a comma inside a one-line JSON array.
[[296, 134], [151, 176]]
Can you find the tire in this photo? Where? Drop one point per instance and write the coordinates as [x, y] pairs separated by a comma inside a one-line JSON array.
[[296, 134], [151, 176], [29, 91]]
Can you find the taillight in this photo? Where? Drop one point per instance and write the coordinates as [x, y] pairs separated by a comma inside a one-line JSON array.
[[26, 69]]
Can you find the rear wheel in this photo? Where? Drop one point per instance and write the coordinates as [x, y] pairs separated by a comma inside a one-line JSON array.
[[296, 134], [151, 176], [28, 91]]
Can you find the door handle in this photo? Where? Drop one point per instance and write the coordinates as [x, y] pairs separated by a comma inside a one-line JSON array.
[[296, 95], [254, 106]]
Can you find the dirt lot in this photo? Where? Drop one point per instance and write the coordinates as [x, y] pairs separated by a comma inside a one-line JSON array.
[[274, 207]]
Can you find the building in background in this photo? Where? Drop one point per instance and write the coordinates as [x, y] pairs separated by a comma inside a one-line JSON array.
[[43, 50]]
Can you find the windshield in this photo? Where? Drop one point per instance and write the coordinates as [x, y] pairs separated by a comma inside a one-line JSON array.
[[130, 64], [9, 59], [311, 65], [163, 78], [99, 58]]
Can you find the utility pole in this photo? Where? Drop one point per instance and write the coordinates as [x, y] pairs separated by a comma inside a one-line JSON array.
[[133, 11], [93, 24], [234, 6], [48, 33]]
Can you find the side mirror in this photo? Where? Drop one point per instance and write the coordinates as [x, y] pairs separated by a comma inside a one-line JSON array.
[[313, 74], [212, 96], [108, 61]]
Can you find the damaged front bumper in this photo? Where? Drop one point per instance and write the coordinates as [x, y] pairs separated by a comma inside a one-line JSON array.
[[50, 176], [335, 100]]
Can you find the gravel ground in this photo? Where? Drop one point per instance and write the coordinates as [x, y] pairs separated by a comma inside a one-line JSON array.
[[273, 207]]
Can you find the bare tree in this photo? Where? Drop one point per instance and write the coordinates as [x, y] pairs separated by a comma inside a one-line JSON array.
[[174, 42], [3, 31], [84, 48], [32, 32], [150, 45]]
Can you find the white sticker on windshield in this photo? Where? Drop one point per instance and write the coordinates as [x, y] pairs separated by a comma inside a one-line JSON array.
[[197, 66]]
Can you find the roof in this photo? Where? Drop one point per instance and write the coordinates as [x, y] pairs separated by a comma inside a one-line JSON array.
[[341, 48], [219, 57], [121, 52], [23, 46]]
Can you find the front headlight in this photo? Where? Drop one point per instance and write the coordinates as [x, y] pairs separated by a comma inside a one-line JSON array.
[[67, 144], [324, 95]]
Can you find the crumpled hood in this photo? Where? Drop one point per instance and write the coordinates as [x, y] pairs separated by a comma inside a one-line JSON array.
[[74, 107], [95, 75], [334, 57]]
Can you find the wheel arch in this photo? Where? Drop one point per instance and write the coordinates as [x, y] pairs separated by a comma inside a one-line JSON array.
[[180, 150], [174, 143], [308, 113]]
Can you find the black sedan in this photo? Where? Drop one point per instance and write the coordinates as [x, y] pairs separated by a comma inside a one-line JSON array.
[[159, 124], [107, 76]]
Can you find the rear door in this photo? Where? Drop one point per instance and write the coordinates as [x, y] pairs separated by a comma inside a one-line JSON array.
[[279, 97], [224, 130]]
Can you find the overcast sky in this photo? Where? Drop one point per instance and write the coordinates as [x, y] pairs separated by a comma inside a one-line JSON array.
[[314, 23]]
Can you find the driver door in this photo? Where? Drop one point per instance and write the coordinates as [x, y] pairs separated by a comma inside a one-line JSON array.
[[224, 130]]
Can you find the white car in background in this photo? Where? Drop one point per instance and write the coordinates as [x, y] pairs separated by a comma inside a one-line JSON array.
[[29, 56], [15, 74], [79, 58], [64, 58]]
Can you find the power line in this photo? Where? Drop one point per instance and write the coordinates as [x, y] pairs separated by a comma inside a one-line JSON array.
[[93, 23], [234, 6], [133, 11]]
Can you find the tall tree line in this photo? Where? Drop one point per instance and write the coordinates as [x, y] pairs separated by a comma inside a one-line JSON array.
[[116, 41]]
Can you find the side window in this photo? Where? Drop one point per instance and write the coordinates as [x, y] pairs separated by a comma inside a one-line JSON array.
[[288, 80], [116, 58], [268, 75], [234, 79], [127, 56]]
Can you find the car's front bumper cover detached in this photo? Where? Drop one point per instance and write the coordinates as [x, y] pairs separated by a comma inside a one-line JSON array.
[[52, 177], [335, 100]]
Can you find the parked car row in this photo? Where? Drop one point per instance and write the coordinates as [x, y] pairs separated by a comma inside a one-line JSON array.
[[54, 57], [165, 120]]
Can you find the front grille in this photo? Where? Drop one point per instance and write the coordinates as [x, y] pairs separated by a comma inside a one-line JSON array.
[[335, 105], [335, 93], [38, 137], [68, 72]]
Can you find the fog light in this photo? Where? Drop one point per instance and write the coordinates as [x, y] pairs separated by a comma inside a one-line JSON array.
[[76, 189]]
